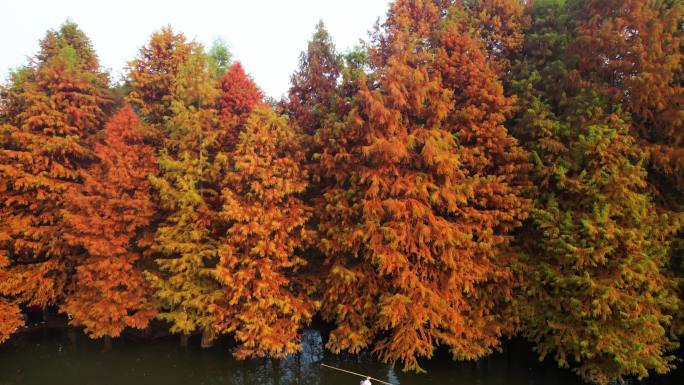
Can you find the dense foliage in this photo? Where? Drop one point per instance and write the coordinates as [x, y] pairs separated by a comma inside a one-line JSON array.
[[109, 216], [416, 233], [51, 111], [478, 169]]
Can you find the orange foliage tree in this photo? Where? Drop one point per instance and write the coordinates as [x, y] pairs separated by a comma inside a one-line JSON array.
[[423, 195], [315, 100], [51, 109], [633, 50], [154, 73], [501, 24], [109, 216], [10, 319], [238, 96], [263, 301]]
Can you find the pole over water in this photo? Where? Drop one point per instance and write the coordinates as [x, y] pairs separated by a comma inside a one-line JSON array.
[[357, 374]]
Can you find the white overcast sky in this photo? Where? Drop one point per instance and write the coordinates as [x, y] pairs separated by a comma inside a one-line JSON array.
[[265, 35]]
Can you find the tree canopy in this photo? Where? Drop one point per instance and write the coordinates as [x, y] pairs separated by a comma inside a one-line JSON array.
[[475, 170]]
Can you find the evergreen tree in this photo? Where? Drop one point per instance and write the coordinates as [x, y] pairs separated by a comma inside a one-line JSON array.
[[595, 293], [221, 57], [633, 52]]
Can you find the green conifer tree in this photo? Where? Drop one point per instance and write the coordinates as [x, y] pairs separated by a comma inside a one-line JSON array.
[[596, 293]]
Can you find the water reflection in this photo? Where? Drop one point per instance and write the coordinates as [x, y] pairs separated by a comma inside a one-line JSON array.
[[58, 357]]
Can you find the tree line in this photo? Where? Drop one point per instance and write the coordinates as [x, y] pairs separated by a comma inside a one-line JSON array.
[[477, 169]]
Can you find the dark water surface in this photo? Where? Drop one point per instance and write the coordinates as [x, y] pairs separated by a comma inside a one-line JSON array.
[[50, 357]]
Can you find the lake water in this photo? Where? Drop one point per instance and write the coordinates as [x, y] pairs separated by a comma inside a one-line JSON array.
[[53, 357]]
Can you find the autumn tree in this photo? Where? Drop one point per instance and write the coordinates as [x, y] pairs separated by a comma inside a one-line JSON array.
[[596, 293], [51, 110], [633, 52], [313, 89], [315, 99], [69, 35], [238, 95], [184, 285], [10, 319], [424, 190], [173, 86], [495, 164], [109, 216], [154, 73], [263, 302], [501, 24]]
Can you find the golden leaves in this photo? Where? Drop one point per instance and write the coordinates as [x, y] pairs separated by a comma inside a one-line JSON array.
[[266, 221], [10, 319]]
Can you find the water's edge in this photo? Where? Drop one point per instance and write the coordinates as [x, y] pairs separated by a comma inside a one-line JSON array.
[[56, 356]]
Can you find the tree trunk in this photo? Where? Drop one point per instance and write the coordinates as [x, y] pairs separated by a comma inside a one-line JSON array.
[[184, 340], [325, 335], [107, 343], [509, 356], [44, 314], [275, 363], [71, 335], [208, 338]]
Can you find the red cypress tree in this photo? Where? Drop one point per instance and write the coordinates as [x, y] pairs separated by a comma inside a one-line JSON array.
[[314, 92], [238, 96], [315, 100], [108, 216]]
